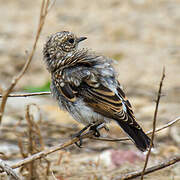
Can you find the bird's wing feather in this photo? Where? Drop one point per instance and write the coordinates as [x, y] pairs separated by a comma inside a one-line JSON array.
[[68, 80], [110, 104], [65, 89]]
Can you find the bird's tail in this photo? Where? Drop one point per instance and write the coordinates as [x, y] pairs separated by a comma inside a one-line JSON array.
[[139, 138]]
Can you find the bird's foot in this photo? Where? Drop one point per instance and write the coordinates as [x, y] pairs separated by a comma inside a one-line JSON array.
[[79, 144], [78, 135], [96, 132], [96, 128]]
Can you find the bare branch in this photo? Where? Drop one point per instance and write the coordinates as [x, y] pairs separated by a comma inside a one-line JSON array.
[[34, 145], [51, 150], [151, 169], [4, 167], [154, 123], [5, 93], [28, 94], [170, 123]]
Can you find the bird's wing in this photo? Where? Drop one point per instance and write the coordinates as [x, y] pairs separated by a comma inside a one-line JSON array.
[[85, 83], [110, 103]]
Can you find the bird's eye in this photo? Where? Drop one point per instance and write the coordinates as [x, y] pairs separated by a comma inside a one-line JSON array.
[[71, 40]]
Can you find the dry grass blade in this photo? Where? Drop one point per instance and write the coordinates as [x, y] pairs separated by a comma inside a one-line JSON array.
[[5, 93], [154, 123]]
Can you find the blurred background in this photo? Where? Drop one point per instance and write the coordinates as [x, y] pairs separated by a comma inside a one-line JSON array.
[[142, 36]]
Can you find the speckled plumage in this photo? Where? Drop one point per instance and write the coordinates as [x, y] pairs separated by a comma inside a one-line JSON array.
[[85, 84]]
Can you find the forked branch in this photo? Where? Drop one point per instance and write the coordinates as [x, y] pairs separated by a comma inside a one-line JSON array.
[[5, 93]]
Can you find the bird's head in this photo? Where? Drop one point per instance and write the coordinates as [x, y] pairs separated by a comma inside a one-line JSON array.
[[60, 45]]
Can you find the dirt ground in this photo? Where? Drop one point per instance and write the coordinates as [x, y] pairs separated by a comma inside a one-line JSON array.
[[142, 36]]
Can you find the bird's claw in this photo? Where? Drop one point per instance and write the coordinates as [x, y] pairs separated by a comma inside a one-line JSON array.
[[78, 135], [79, 145], [93, 127]]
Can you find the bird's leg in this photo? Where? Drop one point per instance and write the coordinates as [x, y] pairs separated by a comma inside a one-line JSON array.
[[78, 135], [96, 132], [95, 128]]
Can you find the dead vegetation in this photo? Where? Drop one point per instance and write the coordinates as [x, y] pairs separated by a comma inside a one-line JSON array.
[[35, 158]]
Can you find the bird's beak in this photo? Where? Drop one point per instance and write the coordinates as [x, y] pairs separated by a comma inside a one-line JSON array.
[[81, 39]]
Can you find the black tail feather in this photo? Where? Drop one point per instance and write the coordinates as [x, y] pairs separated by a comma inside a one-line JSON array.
[[140, 139]]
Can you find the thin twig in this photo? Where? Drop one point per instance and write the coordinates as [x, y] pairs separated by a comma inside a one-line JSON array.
[[5, 93], [154, 123], [4, 167], [31, 167], [35, 144], [151, 169], [51, 150], [28, 94], [170, 123]]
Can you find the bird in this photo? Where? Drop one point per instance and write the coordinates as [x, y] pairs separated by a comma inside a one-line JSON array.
[[85, 84]]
